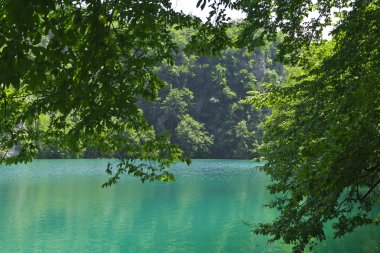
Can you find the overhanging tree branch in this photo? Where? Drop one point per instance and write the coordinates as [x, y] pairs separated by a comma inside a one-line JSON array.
[[369, 190]]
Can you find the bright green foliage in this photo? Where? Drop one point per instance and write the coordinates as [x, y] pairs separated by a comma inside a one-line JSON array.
[[85, 64], [218, 85], [193, 138], [322, 141], [245, 141], [264, 18], [176, 104]]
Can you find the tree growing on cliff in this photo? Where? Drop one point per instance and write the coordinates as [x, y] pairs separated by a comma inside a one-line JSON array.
[[176, 104], [193, 138]]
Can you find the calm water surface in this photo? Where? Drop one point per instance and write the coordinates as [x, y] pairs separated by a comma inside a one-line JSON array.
[[59, 206]]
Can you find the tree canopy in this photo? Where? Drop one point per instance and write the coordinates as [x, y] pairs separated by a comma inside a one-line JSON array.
[[193, 137], [322, 141], [85, 64]]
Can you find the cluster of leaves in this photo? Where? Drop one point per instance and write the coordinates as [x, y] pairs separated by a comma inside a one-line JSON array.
[[84, 65], [322, 141], [193, 138], [293, 18], [264, 18], [176, 104]]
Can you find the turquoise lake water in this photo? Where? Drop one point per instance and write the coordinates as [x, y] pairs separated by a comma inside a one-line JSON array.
[[59, 206]]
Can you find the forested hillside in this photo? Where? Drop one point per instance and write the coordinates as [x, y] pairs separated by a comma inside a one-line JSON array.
[[202, 106]]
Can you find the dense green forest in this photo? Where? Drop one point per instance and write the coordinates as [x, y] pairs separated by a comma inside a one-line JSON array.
[[203, 105], [105, 78]]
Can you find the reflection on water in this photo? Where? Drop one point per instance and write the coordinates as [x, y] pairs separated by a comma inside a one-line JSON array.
[[58, 205]]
